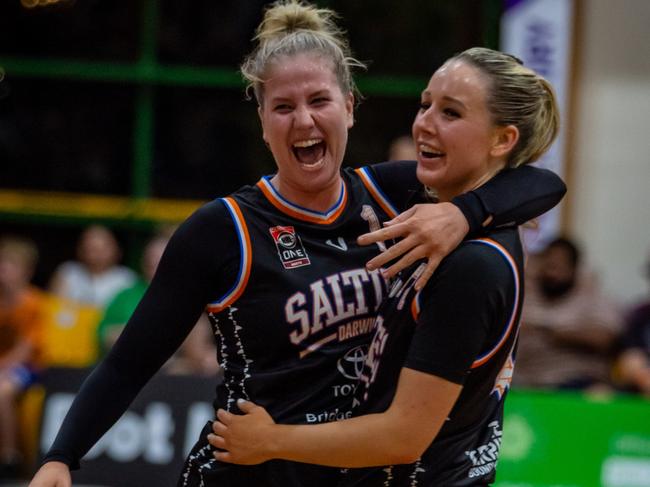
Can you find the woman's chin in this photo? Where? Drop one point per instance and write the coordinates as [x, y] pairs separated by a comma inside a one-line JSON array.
[[430, 173]]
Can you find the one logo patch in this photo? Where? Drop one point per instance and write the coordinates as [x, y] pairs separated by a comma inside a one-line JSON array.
[[290, 249]]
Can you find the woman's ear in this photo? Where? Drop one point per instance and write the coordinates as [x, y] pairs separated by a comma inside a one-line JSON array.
[[505, 139], [260, 114], [349, 108]]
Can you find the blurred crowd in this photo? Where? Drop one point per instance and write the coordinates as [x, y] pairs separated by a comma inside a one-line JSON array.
[[74, 322], [573, 336]]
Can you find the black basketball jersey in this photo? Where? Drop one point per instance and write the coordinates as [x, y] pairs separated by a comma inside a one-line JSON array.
[[468, 337], [294, 329]]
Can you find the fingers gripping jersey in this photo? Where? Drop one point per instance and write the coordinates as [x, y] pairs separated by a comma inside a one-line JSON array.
[[294, 329]]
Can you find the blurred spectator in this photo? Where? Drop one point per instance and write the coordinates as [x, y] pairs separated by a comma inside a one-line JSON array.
[[402, 148], [196, 355], [20, 306], [95, 278], [121, 306], [568, 326], [634, 360]]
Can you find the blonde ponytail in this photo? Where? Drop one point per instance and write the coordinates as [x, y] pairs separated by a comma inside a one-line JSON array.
[[518, 96]]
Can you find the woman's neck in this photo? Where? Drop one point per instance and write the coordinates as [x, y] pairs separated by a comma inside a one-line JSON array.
[[447, 194]]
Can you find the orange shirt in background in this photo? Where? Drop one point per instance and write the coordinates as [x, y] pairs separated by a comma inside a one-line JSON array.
[[22, 320]]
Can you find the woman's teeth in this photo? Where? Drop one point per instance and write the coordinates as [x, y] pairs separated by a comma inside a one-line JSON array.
[[428, 151], [309, 152], [307, 143]]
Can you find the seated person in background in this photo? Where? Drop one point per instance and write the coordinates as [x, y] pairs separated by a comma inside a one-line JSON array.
[[568, 327], [197, 355], [402, 148], [20, 305], [633, 365], [95, 278]]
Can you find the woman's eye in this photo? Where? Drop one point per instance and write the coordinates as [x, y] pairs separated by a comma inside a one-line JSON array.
[[424, 106], [450, 112], [282, 108]]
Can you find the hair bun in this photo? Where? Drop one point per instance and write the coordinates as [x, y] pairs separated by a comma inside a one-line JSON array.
[[292, 27], [284, 17]]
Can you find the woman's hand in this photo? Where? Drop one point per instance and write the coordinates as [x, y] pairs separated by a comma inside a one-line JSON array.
[[247, 438], [52, 474], [430, 230]]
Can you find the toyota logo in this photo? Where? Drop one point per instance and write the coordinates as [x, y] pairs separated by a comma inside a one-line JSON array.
[[351, 364]]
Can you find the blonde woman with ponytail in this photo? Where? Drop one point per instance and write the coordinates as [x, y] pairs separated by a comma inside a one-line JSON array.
[[429, 403], [278, 267]]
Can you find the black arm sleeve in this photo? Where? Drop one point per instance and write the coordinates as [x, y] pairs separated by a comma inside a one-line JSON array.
[[199, 264], [512, 197]]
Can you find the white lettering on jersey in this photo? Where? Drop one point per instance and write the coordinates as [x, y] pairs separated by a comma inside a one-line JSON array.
[[357, 277], [321, 306], [369, 215], [378, 284], [343, 311], [374, 354], [484, 458], [335, 299], [301, 316]]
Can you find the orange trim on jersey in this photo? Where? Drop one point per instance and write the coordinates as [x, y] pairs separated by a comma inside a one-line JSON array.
[[375, 191], [246, 259], [415, 306], [304, 214], [513, 315]]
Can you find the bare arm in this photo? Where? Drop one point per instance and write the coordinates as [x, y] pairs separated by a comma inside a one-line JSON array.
[[399, 435]]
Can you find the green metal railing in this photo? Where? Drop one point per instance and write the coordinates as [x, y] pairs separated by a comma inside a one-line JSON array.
[[146, 74]]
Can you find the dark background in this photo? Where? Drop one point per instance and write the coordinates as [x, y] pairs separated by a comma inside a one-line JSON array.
[[77, 117]]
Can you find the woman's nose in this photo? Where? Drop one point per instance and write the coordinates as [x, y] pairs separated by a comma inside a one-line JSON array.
[[425, 122], [303, 117]]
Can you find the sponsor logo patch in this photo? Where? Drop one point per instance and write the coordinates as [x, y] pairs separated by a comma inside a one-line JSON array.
[[339, 244], [290, 249], [351, 364]]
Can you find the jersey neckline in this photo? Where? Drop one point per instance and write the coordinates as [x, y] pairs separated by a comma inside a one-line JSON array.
[[296, 211]]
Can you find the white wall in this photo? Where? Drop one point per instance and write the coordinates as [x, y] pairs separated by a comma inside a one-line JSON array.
[[609, 192]]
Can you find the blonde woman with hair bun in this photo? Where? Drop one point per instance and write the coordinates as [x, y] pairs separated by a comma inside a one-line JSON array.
[[290, 293]]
